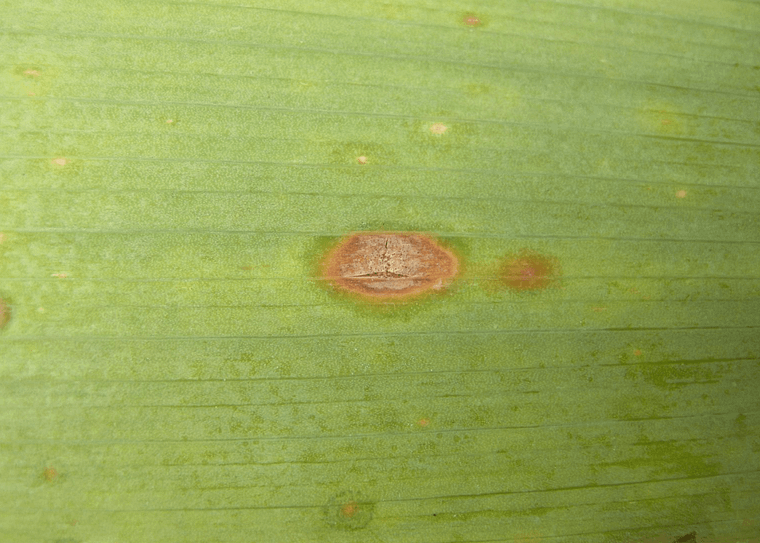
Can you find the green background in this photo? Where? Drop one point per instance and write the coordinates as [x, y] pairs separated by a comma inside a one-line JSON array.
[[174, 370]]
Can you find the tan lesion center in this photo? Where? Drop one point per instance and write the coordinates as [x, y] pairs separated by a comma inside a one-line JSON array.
[[391, 264]]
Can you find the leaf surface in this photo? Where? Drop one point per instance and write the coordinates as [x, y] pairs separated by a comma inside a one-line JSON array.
[[174, 368]]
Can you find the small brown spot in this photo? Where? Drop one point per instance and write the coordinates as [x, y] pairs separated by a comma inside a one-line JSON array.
[[60, 161], [348, 511], [169, 121], [438, 128], [528, 537], [637, 352], [362, 159], [50, 474], [5, 313], [471, 20], [681, 194], [423, 422], [528, 270], [387, 265], [32, 73]]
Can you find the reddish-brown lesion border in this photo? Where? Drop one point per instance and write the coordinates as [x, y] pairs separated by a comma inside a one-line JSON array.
[[436, 267]]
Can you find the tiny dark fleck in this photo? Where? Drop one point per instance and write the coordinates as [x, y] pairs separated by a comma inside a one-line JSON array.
[[688, 538]]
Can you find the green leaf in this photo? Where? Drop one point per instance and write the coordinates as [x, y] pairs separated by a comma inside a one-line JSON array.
[[174, 368]]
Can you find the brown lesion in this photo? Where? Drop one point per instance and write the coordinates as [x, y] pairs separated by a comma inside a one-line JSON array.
[[50, 474], [389, 264], [5, 313], [528, 270]]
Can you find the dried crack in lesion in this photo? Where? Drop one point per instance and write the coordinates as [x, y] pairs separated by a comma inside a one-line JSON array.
[[390, 263], [384, 275], [386, 260]]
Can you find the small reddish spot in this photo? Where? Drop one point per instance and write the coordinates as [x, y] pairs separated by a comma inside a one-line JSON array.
[[169, 121], [666, 121], [59, 275], [362, 159], [599, 309], [60, 161], [637, 352], [423, 422], [246, 268], [528, 270], [50, 474], [471, 20], [681, 194], [349, 509], [438, 128]]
